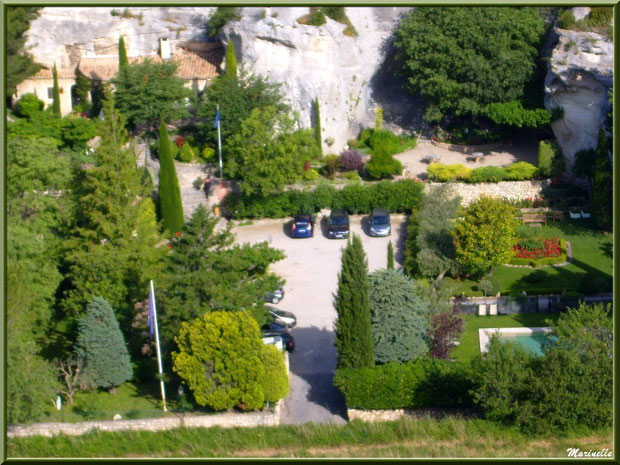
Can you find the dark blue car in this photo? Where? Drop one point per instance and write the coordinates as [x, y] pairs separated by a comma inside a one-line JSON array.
[[303, 226]]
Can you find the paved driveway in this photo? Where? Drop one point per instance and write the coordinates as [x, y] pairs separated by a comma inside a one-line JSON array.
[[311, 270]]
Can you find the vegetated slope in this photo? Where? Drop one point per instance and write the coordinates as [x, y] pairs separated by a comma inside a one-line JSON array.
[[450, 437]]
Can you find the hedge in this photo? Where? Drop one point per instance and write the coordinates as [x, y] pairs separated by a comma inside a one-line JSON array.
[[418, 384], [515, 172], [397, 197]]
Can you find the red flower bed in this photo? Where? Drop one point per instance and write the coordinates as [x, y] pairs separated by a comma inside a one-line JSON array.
[[538, 248]]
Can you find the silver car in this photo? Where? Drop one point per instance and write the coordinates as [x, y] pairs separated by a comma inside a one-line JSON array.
[[380, 223]]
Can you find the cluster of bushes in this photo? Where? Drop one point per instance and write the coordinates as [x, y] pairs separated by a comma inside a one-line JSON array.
[[417, 384], [550, 159], [514, 114], [457, 172], [543, 261], [599, 17], [381, 141], [399, 196]]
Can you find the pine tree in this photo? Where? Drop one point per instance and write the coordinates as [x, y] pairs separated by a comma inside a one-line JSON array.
[[317, 125], [231, 61], [390, 256], [113, 249], [170, 205], [353, 332], [101, 346], [56, 101], [123, 61]]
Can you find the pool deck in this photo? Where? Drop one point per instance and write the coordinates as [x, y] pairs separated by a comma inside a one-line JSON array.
[[484, 334]]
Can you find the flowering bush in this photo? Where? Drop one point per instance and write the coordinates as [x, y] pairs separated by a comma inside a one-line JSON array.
[[351, 160], [538, 248]]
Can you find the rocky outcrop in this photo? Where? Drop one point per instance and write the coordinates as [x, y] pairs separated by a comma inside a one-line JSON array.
[[319, 61], [63, 35], [579, 77]]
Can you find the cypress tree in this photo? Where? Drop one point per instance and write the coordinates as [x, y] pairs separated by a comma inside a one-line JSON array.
[[123, 61], [231, 61], [352, 302], [170, 205], [317, 125], [56, 101], [101, 345], [390, 256]]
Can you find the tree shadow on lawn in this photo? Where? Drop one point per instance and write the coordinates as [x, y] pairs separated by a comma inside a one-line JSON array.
[[608, 249], [314, 360]]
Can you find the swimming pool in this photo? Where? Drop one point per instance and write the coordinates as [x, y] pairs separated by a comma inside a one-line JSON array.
[[530, 338]]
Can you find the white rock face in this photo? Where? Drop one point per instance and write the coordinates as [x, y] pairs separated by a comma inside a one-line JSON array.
[[578, 80], [320, 62], [62, 35]]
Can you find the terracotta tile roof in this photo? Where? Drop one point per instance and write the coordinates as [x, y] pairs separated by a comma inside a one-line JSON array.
[[63, 73], [191, 64]]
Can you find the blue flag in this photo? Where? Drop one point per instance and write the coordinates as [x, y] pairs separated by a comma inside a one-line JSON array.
[[217, 119], [151, 311]]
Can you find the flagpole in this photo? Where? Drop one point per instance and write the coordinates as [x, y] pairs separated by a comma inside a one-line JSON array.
[[161, 371], [219, 142]]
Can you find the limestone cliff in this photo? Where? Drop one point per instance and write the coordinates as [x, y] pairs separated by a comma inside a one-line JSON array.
[[579, 77], [318, 61]]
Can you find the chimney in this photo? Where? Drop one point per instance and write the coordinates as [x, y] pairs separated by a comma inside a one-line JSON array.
[[164, 48]]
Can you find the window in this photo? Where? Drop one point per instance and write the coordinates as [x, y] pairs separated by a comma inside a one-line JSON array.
[[50, 93]]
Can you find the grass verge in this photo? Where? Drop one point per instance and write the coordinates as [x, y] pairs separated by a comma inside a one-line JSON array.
[[450, 437]]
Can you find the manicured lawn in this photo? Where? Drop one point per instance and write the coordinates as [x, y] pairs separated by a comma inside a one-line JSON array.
[[592, 252], [128, 401], [470, 343]]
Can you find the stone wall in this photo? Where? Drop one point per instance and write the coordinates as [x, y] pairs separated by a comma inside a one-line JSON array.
[[225, 420], [513, 190], [396, 414]]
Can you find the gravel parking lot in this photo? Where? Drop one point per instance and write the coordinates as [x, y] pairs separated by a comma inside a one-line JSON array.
[[311, 271]]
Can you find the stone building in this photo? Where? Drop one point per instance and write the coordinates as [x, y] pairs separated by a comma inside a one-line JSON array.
[[198, 64]]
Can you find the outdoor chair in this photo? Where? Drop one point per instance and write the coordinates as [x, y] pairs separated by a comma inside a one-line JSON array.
[[585, 215], [574, 216]]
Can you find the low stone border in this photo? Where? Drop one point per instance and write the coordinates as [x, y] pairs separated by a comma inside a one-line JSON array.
[[225, 420], [569, 258], [397, 414]]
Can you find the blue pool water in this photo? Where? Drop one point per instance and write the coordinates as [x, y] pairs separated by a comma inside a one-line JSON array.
[[532, 342]]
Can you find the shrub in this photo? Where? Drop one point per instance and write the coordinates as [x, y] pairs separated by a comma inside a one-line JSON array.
[[567, 20], [352, 176], [331, 165], [275, 381], [550, 159], [442, 173], [317, 17], [383, 165], [207, 154], [487, 174], [310, 175], [220, 17], [28, 105], [351, 160], [520, 171], [187, 153], [600, 16], [417, 384], [489, 285], [352, 143], [513, 114]]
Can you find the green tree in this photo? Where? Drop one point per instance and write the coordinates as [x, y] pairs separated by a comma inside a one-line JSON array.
[[206, 272], [148, 93], [83, 86], [19, 63], [354, 341], [602, 185], [29, 105], [56, 94], [434, 242], [484, 234], [170, 205], [390, 256], [236, 99], [275, 380], [220, 17], [317, 125], [550, 159], [114, 248], [411, 242], [123, 61], [399, 317], [219, 358], [231, 61], [269, 153], [101, 346], [461, 59]]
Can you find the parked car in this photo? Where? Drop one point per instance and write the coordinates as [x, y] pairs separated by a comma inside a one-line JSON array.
[[274, 326], [280, 316], [338, 225], [274, 341], [303, 226], [287, 339], [275, 296], [380, 223]]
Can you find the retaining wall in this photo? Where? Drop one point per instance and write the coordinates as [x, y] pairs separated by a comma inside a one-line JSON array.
[[511, 190]]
